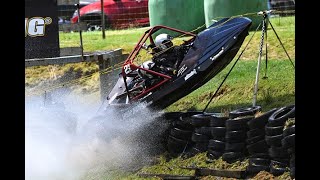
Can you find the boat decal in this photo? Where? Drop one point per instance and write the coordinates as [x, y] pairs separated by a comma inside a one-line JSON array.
[[193, 72], [182, 70], [217, 55]]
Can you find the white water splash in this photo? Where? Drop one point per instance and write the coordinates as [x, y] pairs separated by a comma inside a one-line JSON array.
[[68, 140]]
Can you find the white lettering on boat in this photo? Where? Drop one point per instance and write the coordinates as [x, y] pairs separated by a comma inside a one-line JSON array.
[[217, 55], [193, 72], [182, 70]]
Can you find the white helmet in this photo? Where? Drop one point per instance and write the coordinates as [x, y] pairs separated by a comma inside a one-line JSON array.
[[163, 38], [146, 65]]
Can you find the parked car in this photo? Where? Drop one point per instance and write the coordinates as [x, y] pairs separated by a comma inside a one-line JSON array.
[[65, 11], [119, 14]]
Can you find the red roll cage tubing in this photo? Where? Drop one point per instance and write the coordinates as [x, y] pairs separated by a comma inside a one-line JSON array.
[[129, 60]]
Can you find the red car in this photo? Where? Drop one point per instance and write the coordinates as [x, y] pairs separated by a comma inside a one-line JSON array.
[[119, 14]]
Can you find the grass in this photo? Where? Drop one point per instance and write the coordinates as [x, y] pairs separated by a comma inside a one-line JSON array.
[[275, 91]]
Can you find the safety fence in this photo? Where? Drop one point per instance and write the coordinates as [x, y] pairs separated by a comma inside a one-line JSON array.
[[115, 14], [283, 5]]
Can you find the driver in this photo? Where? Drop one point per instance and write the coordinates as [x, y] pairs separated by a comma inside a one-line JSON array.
[[167, 57]]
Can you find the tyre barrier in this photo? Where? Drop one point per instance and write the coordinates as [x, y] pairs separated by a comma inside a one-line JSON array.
[[264, 139]]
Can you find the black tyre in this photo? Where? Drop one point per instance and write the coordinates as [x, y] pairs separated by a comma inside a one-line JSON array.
[[192, 152], [221, 138], [284, 161], [289, 141], [218, 121], [278, 153], [289, 130], [235, 139], [201, 146], [254, 139], [231, 157], [255, 132], [279, 117], [176, 145], [274, 131], [259, 161], [203, 130], [240, 135], [200, 120], [181, 134], [187, 116], [244, 111], [277, 171], [238, 123], [235, 147], [218, 131], [261, 121], [214, 154], [216, 145], [183, 125], [277, 168], [199, 138], [258, 147], [279, 163], [274, 140]]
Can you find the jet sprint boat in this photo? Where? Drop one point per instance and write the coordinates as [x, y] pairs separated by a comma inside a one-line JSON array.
[[205, 55]]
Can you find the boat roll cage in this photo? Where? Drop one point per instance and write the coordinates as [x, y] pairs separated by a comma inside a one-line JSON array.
[[128, 67]]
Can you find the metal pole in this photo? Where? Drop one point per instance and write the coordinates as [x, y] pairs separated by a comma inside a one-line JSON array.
[[259, 61], [80, 31], [103, 21]]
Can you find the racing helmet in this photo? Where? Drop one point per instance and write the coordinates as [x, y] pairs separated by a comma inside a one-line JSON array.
[[146, 65], [163, 41]]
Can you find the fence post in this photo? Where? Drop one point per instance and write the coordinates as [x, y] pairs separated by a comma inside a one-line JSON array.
[[103, 21]]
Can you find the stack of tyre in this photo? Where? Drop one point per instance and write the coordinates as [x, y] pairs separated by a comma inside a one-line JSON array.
[[180, 132], [274, 138], [288, 142], [202, 132], [216, 146], [259, 159], [236, 133]]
